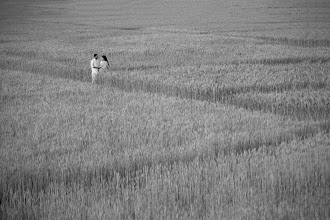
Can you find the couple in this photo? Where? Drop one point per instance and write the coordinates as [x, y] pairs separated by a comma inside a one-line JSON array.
[[98, 65]]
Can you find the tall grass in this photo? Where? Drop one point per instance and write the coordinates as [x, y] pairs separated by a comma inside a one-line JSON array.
[[70, 144], [192, 122], [289, 40], [303, 105], [219, 84], [289, 181], [297, 42]]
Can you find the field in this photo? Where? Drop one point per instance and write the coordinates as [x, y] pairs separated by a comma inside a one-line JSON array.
[[210, 110]]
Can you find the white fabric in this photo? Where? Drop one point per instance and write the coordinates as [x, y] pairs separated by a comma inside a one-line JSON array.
[[104, 65], [95, 71], [95, 63]]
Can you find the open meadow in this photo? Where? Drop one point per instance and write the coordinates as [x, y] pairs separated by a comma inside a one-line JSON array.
[[210, 109]]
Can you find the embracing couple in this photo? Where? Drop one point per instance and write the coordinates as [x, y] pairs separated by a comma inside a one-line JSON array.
[[98, 65]]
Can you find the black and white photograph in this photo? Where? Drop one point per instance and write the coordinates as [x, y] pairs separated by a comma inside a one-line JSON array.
[[164, 109]]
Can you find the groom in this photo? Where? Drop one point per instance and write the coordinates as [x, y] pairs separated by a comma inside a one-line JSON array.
[[95, 65]]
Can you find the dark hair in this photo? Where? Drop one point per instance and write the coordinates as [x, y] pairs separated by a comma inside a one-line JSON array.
[[105, 58], [95, 55]]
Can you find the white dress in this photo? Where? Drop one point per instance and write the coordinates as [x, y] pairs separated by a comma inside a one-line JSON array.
[[104, 66]]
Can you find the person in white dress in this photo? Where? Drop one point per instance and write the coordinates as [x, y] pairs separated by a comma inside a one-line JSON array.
[[104, 64], [95, 65]]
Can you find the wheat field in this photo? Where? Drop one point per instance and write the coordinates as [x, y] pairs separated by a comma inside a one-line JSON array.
[[210, 109]]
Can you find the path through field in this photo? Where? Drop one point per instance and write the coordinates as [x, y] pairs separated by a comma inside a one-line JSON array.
[[210, 110]]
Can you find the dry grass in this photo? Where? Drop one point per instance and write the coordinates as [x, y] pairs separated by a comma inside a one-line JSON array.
[[303, 105], [69, 137], [216, 112]]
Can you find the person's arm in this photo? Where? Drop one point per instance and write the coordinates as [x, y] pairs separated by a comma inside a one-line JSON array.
[[93, 66]]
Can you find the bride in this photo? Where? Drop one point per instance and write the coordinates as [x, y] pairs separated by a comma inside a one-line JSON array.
[[104, 64]]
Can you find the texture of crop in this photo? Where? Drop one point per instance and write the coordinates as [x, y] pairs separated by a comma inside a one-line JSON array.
[[210, 110]]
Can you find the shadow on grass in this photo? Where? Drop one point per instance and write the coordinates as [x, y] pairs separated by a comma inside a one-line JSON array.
[[215, 94], [290, 41], [283, 61], [136, 68], [120, 174], [228, 95], [295, 42]]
